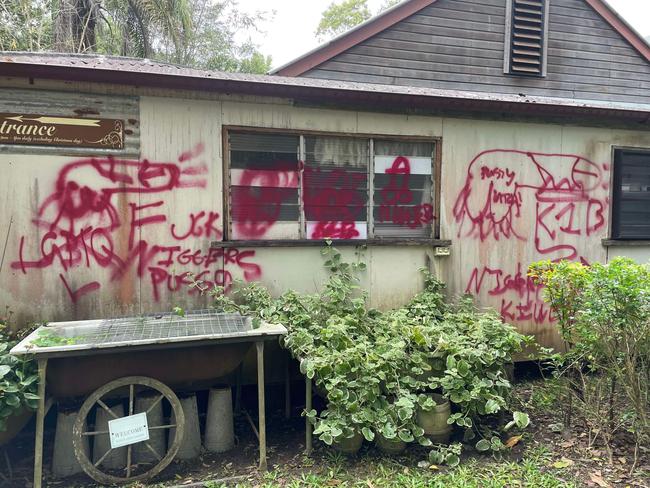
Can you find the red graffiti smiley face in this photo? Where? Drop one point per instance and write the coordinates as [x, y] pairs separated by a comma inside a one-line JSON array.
[[258, 199]]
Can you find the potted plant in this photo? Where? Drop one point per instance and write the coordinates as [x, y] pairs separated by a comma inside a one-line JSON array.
[[18, 387], [393, 377]]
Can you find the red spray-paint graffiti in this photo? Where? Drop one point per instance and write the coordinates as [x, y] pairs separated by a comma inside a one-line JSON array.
[[501, 182], [555, 200], [334, 201], [258, 197], [521, 298], [89, 221], [398, 203]]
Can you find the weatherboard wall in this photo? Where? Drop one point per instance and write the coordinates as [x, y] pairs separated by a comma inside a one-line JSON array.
[[459, 45], [511, 193]]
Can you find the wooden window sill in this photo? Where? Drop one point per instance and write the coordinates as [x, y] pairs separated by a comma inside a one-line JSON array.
[[335, 243], [625, 242]]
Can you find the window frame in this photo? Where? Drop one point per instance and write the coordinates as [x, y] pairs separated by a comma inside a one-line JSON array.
[[615, 207], [434, 239], [507, 43]]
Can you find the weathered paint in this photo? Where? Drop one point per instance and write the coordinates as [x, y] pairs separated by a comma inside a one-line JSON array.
[[547, 187]]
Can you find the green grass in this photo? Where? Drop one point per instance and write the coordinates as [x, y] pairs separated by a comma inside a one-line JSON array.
[[532, 471]]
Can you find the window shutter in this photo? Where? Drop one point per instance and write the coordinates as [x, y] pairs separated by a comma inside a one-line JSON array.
[[264, 182], [403, 196], [631, 214], [527, 37], [335, 187]]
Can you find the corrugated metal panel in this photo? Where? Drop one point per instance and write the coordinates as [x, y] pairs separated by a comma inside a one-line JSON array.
[[74, 105]]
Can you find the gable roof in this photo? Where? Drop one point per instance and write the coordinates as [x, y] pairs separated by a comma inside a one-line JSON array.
[[363, 96], [407, 8]]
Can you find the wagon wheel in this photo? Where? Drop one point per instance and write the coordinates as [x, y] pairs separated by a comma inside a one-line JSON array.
[[130, 387]]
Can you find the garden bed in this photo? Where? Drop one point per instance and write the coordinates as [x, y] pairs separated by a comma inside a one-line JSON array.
[[543, 458]]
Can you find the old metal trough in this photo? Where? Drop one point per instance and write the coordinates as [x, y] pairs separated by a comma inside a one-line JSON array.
[[113, 362]]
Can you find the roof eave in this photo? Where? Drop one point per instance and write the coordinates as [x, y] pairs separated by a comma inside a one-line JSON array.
[[357, 95]]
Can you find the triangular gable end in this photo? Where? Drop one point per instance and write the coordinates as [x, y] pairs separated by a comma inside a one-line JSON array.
[[351, 38], [377, 24]]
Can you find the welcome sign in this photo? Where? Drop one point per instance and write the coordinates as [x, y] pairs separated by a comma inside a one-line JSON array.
[[54, 130], [128, 430]]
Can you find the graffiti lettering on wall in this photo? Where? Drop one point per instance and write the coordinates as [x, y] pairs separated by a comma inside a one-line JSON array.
[[398, 202], [554, 200], [520, 298], [334, 201], [95, 218]]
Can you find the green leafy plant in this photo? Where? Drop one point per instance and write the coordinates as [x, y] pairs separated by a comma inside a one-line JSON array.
[[376, 369], [603, 312], [18, 379], [449, 455], [49, 338]]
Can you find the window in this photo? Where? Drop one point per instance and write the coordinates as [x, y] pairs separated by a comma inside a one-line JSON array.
[[526, 37], [311, 186], [631, 206]]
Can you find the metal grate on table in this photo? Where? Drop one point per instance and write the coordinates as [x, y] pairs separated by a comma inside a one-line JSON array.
[[207, 323]]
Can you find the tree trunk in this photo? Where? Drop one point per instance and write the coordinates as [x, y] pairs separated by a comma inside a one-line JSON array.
[[74, 25], [63, 12], [84, 25]]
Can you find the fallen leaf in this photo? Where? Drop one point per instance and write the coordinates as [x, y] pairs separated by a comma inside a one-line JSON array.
[[563, 463], [598, 479], [434, 467], [569, 443], [513, 441]]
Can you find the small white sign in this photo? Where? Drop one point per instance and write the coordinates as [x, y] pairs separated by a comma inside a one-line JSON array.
[[128, 430]]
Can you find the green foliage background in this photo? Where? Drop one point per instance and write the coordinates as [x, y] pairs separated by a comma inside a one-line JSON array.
[[198, 33], [18, 379]]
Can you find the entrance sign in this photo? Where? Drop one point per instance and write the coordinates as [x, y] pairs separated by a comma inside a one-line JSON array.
[[50, 130], [128, 430]]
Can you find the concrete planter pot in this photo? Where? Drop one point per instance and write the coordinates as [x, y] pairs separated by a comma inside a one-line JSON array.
[[349, 445], [434, 421], [390, 446]]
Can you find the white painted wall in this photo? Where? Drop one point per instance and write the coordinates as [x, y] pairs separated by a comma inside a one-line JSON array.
[[531, 191]]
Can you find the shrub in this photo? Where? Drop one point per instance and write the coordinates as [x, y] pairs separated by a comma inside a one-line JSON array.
[[378, 369], [18, 379], [604, 315]]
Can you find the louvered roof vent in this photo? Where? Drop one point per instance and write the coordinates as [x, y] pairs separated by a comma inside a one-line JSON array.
[[526, 37]]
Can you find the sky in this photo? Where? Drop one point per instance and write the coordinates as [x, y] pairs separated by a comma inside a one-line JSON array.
[[291, 32]]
